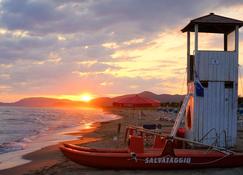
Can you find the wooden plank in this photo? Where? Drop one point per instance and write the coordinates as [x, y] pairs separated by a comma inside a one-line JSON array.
[[227, 113], [204, 111], [227, 73], [217, 109], [197, 61], [226, 66], [219, 60], [234, 124], [222, 115], [233, 67], [214, 57], [234, 121], [211, 103], [195, 119], [200, 109], [198, 116], [224, 112], [230, 67], [208, 109], [210, 67], [193, 113], [207, 64], [223, 67], [201, 64], [218, 126], [230, 114]]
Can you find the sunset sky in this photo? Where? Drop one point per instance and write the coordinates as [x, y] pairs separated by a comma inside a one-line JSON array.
[[58, 48]]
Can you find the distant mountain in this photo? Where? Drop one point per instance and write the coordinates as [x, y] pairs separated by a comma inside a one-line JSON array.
[[150, 95], [44, 102], [163, 98], [100, 102]]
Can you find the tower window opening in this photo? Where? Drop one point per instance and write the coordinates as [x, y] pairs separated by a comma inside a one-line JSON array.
[[204, 84], [228, 85], [210, 41], [191, 68]]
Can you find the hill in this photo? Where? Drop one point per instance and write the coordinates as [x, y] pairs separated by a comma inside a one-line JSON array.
[[100, 102], [44, 102], [163, 98]]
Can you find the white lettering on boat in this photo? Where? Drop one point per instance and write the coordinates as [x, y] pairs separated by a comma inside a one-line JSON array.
[[168, 160]]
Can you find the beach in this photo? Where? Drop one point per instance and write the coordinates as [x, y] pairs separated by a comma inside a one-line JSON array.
[[50, 161]]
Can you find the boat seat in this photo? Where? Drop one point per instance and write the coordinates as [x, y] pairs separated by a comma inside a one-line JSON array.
[[159, 142], [136, 144]]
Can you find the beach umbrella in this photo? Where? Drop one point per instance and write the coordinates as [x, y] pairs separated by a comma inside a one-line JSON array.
[[136, 102]]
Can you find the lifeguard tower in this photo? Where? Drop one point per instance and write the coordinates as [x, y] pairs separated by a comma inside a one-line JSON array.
[[212, 81]]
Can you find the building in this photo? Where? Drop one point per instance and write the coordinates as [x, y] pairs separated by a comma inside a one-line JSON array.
[[212, 79]]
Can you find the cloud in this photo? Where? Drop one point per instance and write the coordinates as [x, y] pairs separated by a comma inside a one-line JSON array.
[[28, 14], [125, 16], [57, 46]]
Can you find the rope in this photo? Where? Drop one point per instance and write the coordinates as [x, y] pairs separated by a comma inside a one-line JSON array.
[[213, 161], [205, 135]]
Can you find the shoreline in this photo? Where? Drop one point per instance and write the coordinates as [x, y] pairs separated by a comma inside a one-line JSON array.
[[18, 157], [51, 155], [49, 131], [15, 161]]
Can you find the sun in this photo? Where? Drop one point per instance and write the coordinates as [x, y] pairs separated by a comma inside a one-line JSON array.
[[85, 98]]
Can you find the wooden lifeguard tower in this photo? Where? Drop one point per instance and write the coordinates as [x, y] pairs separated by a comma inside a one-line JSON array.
[[212, 81]]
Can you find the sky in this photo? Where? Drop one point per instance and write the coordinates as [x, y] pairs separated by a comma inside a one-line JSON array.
[[66, 48]]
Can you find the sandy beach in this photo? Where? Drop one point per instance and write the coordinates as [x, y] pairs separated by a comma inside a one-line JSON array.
[[50, 161]]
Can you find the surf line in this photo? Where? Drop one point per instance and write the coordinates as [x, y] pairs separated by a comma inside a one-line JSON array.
[[168, 160]]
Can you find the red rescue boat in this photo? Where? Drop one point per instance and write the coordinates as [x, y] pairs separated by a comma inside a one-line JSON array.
[[164, 158]]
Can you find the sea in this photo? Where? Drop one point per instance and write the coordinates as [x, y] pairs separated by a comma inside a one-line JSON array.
[[24, 130]]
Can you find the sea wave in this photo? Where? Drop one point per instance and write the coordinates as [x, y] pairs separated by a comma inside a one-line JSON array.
[[20, 126]]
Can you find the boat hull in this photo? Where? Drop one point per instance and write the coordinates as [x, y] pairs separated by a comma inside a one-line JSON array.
[[183, 159], [101, 150]]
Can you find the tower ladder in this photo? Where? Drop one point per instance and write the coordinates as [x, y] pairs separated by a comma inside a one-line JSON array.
[[180, 115]]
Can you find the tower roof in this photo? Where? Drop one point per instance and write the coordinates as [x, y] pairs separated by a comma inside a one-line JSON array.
[[213, 24]]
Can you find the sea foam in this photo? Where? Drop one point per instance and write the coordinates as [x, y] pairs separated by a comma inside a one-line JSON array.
[[24, 130]]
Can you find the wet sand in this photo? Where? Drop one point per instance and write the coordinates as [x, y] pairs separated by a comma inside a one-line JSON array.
[[50, 161]]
